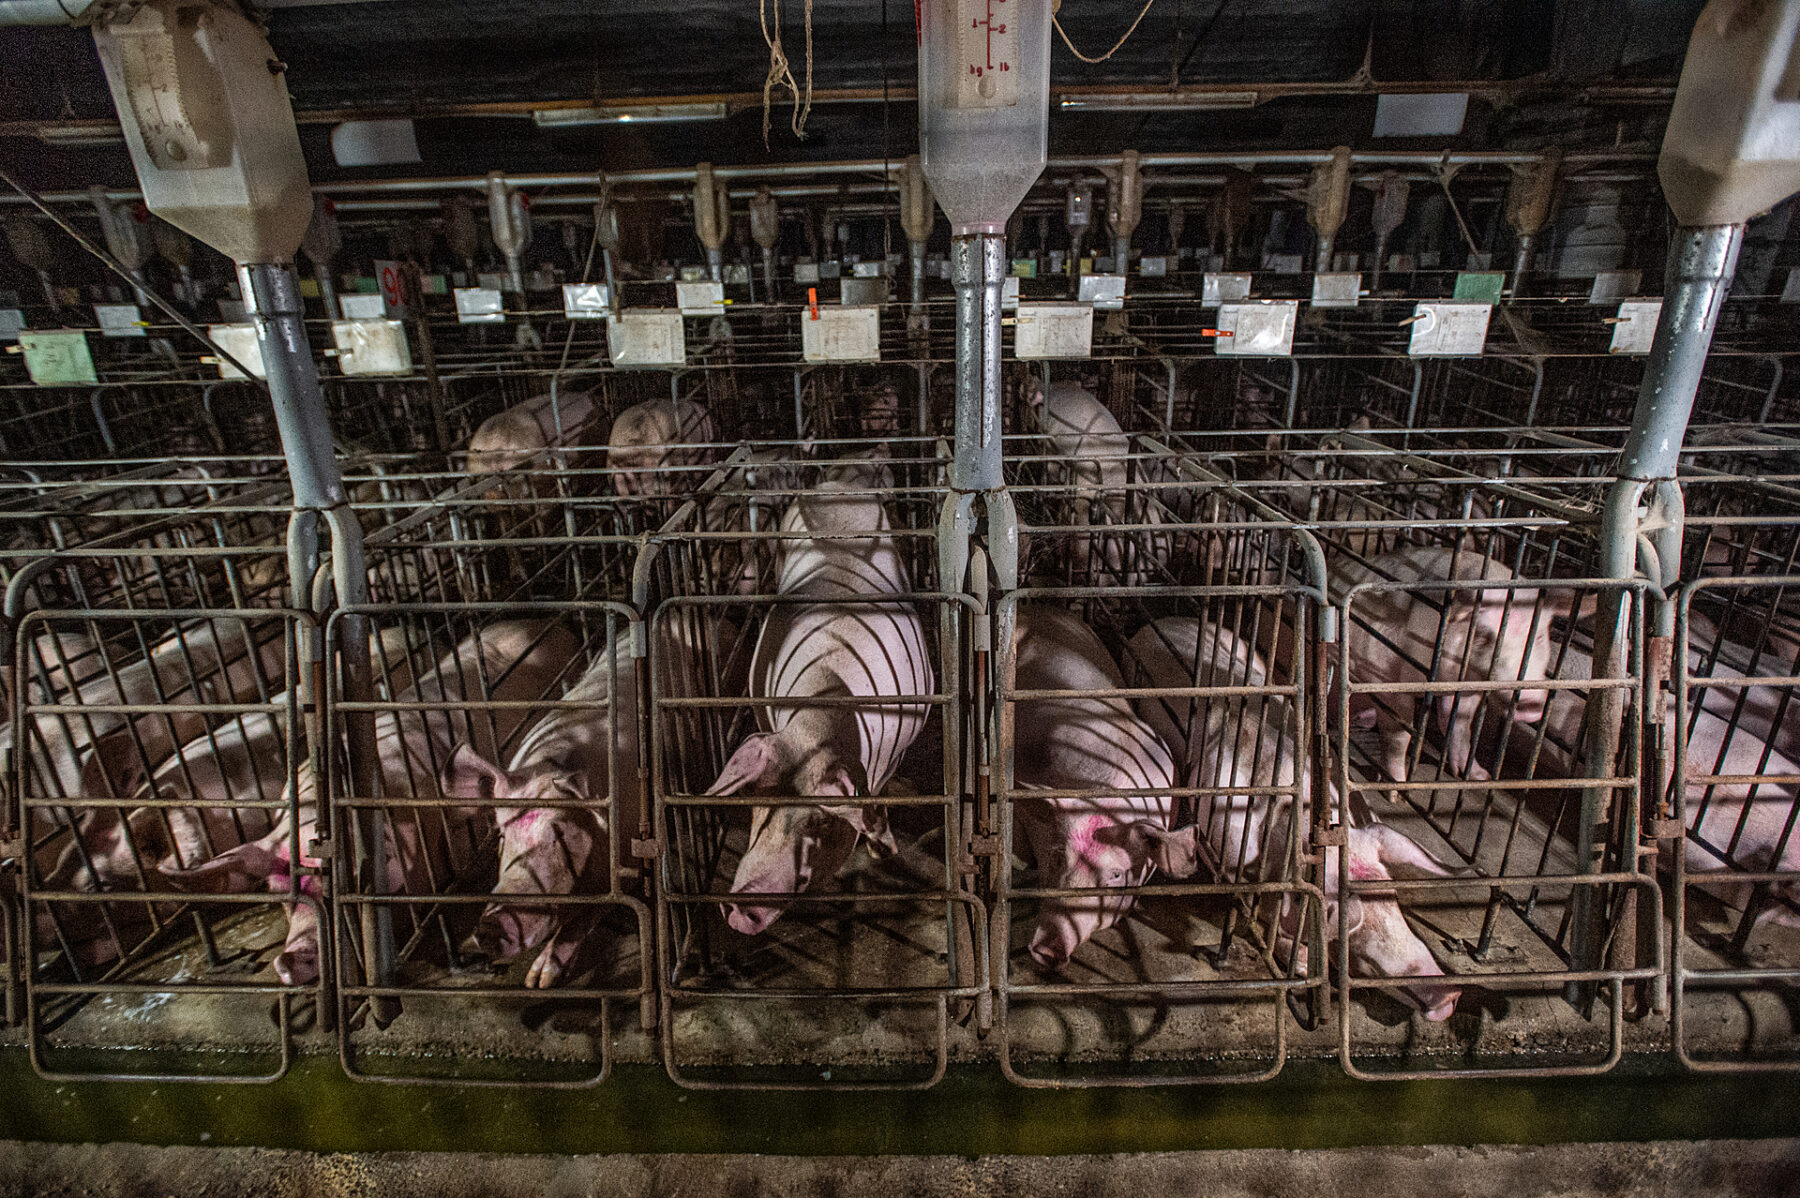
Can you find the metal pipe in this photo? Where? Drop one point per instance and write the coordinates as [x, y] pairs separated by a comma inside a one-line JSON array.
[[43, 12], [1700, 270], [978, 268]]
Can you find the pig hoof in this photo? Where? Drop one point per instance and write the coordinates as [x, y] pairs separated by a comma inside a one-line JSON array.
[[298, 967]]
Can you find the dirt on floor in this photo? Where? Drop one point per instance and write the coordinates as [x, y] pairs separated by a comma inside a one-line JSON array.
[[1655, 1170]]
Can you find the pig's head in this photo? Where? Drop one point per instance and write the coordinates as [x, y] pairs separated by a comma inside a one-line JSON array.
[[790, 845], [1094, 850], [544, 850], [1509, 638], [1382, 943]]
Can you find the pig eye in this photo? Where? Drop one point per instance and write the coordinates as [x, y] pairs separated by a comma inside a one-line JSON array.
[[1115, 877]]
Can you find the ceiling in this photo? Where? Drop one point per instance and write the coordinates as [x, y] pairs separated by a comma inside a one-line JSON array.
[[1570, 70]]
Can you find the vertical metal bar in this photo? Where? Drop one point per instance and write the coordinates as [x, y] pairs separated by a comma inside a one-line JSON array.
[[1701, 265], [273, 299], [978, 266]]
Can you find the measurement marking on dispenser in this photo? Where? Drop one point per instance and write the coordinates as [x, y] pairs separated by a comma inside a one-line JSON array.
[[990, 43]]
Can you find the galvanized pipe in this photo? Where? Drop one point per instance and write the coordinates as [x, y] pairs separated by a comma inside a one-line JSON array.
[[1700, 270], [978, 271]]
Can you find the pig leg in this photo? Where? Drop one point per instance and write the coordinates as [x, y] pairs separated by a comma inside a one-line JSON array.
[[553, 961]]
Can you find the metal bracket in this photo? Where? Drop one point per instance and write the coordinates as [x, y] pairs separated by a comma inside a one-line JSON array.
[[985, 846], [1667, 829], [647, 850], [1325, 837]]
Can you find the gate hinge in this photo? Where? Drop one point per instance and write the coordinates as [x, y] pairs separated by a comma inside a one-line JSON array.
[[647, 850], [1667, 829], [1338, 835]]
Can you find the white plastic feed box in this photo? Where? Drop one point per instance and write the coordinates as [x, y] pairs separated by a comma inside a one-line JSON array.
[[647, 338], [363, 307], [841, 334], [585, 301], [1216, 289], [1635, 327], [119, 320], [1449, 329], [478, 305], [703, 298], [240, 341], [1614, 286], [57, 357], [1259, 328], [1054, 330], [1336, 290], [1153, 268], [12, 323], [1105, 292], [372, 346]]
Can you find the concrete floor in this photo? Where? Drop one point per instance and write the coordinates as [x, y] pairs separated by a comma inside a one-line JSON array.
[[1642, 1170]]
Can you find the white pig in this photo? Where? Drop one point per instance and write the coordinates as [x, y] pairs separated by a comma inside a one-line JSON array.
[[827, 648], [651, 442], [1487, 635], [573, 757], [1249, 742], [520, 434], [1090, 455], [1080, 741], [519, 661]]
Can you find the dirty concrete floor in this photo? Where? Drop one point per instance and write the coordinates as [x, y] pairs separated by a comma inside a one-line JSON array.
[[1664, 1169]]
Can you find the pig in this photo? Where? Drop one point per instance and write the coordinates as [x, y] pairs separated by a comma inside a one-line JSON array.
[[1249, 742], [827, 647], [652, 442], [521, 661], [519, 435], [1090, 456], [1081, 741], [571, 758], [1490, 635], [1730, 823], [751, 498]]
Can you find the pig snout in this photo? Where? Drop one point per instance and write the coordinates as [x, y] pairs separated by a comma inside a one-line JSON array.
[[750, 920], [1054, 941], [1437, 1002]]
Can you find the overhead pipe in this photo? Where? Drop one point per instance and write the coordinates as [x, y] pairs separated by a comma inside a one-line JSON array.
[[1327, 200], [1528, 201]]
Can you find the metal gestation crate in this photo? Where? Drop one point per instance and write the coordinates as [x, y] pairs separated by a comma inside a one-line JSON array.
[[415, 975], [146, 743], [1725, 803], [1457, 593], [866, 980], [1193, 984]]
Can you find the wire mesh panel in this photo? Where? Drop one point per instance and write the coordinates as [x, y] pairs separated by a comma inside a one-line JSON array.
[[147, 744], [1728, 794], [843, 971], [480, 852]]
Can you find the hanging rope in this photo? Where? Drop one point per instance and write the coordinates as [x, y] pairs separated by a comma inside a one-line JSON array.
[[1056, 21], [781, 72]]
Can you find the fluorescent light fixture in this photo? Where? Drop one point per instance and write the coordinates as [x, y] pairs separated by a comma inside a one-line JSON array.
[[1155, 101], [81, 136], [1439, 114], [626, 114]]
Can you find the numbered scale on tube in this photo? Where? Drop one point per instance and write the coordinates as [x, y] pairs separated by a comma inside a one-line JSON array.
[[990, 51]]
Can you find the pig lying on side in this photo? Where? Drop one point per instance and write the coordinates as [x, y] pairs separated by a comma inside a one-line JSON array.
[[575, 758], [1249, 743], [651, 442], [826, 647], [1080, 741], [520, 661], [1488, 635]]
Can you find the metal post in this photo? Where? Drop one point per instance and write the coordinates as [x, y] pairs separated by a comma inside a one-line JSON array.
[[1700, 270], [978, 266], [272, 300]]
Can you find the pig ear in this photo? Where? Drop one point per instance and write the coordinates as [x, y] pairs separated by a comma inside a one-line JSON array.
[[1173, 852], [469, 775], [1398, 851], [754, 760]]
